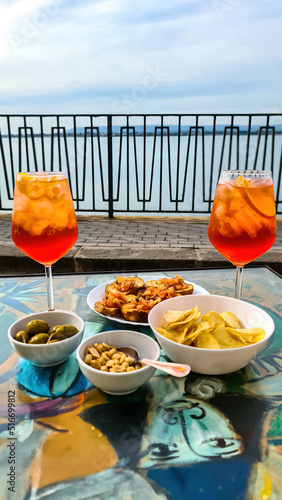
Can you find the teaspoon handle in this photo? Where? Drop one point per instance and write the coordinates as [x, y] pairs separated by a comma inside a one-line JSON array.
[[174, 369]]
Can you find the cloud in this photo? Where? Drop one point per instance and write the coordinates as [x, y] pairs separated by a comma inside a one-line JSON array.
[[68, 56]]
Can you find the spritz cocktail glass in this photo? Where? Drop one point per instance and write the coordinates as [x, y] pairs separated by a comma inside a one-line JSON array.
[[44, 225], [243, 221]]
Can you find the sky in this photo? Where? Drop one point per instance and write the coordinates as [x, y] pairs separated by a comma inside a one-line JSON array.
[[146, 56]]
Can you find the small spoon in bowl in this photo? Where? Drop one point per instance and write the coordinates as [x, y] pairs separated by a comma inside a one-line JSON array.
[[174, 369]]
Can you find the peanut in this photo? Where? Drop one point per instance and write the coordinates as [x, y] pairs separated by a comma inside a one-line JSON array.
[[87, 359], [119, 369], [123, 357], [103, 357], [93, 351], [112, 352], [99, 348], [95, 364]]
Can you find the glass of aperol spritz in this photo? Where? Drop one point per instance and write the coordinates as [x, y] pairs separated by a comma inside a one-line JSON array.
[[242, 224], [44, 225]]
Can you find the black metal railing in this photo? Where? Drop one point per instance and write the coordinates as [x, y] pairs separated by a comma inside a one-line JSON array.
[[140, 164]]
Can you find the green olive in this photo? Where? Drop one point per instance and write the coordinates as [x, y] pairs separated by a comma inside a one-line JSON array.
[[22, 336], [64, 331], [39, 338], [57, 336], [37, 326]]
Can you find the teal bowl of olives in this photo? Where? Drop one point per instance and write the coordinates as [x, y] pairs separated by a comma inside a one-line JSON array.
[[47, 338]]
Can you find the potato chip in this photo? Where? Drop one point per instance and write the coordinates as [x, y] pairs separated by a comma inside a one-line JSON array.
[[225, 340], [198, 329], [248, 336], [181, 338], [172, 316], [207, 341], [162, 331], [230, 319], [174, 335], [203, 326], [213, 318], [190, 318], [213, 331]]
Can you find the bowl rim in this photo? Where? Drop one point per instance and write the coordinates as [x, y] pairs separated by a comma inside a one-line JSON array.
[[44, 346], [80, 360], [203, 349]]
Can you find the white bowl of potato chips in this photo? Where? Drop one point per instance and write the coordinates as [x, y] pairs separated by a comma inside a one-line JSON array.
[[213, 334]]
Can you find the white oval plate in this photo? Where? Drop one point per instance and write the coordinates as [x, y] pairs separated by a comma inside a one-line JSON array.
[[98, 293]]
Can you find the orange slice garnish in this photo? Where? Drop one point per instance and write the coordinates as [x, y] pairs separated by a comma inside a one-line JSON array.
[[260, 198], [242, 182]]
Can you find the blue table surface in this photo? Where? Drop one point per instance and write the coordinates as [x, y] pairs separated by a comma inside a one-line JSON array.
[[201, 437]]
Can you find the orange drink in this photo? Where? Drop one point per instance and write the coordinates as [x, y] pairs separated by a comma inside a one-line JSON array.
[[243, 223], [44, 224]]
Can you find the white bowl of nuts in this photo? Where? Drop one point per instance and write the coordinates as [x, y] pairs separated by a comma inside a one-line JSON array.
[[112, 371]]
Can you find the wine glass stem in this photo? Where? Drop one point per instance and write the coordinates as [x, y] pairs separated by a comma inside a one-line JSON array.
[[238, 282], [50, 294]]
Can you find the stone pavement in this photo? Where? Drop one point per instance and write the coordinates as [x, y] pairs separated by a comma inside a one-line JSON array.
[[128, 243]]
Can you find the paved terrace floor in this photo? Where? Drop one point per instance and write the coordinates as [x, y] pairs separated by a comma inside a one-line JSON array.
[[128, 244]]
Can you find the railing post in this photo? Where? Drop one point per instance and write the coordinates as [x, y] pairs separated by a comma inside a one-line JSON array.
[[110, 166]]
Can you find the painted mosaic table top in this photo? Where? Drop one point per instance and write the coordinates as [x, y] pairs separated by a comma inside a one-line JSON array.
[[203, 437]]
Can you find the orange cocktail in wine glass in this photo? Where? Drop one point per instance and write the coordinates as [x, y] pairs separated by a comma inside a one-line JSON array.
[[44, 225], [243, 222]]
